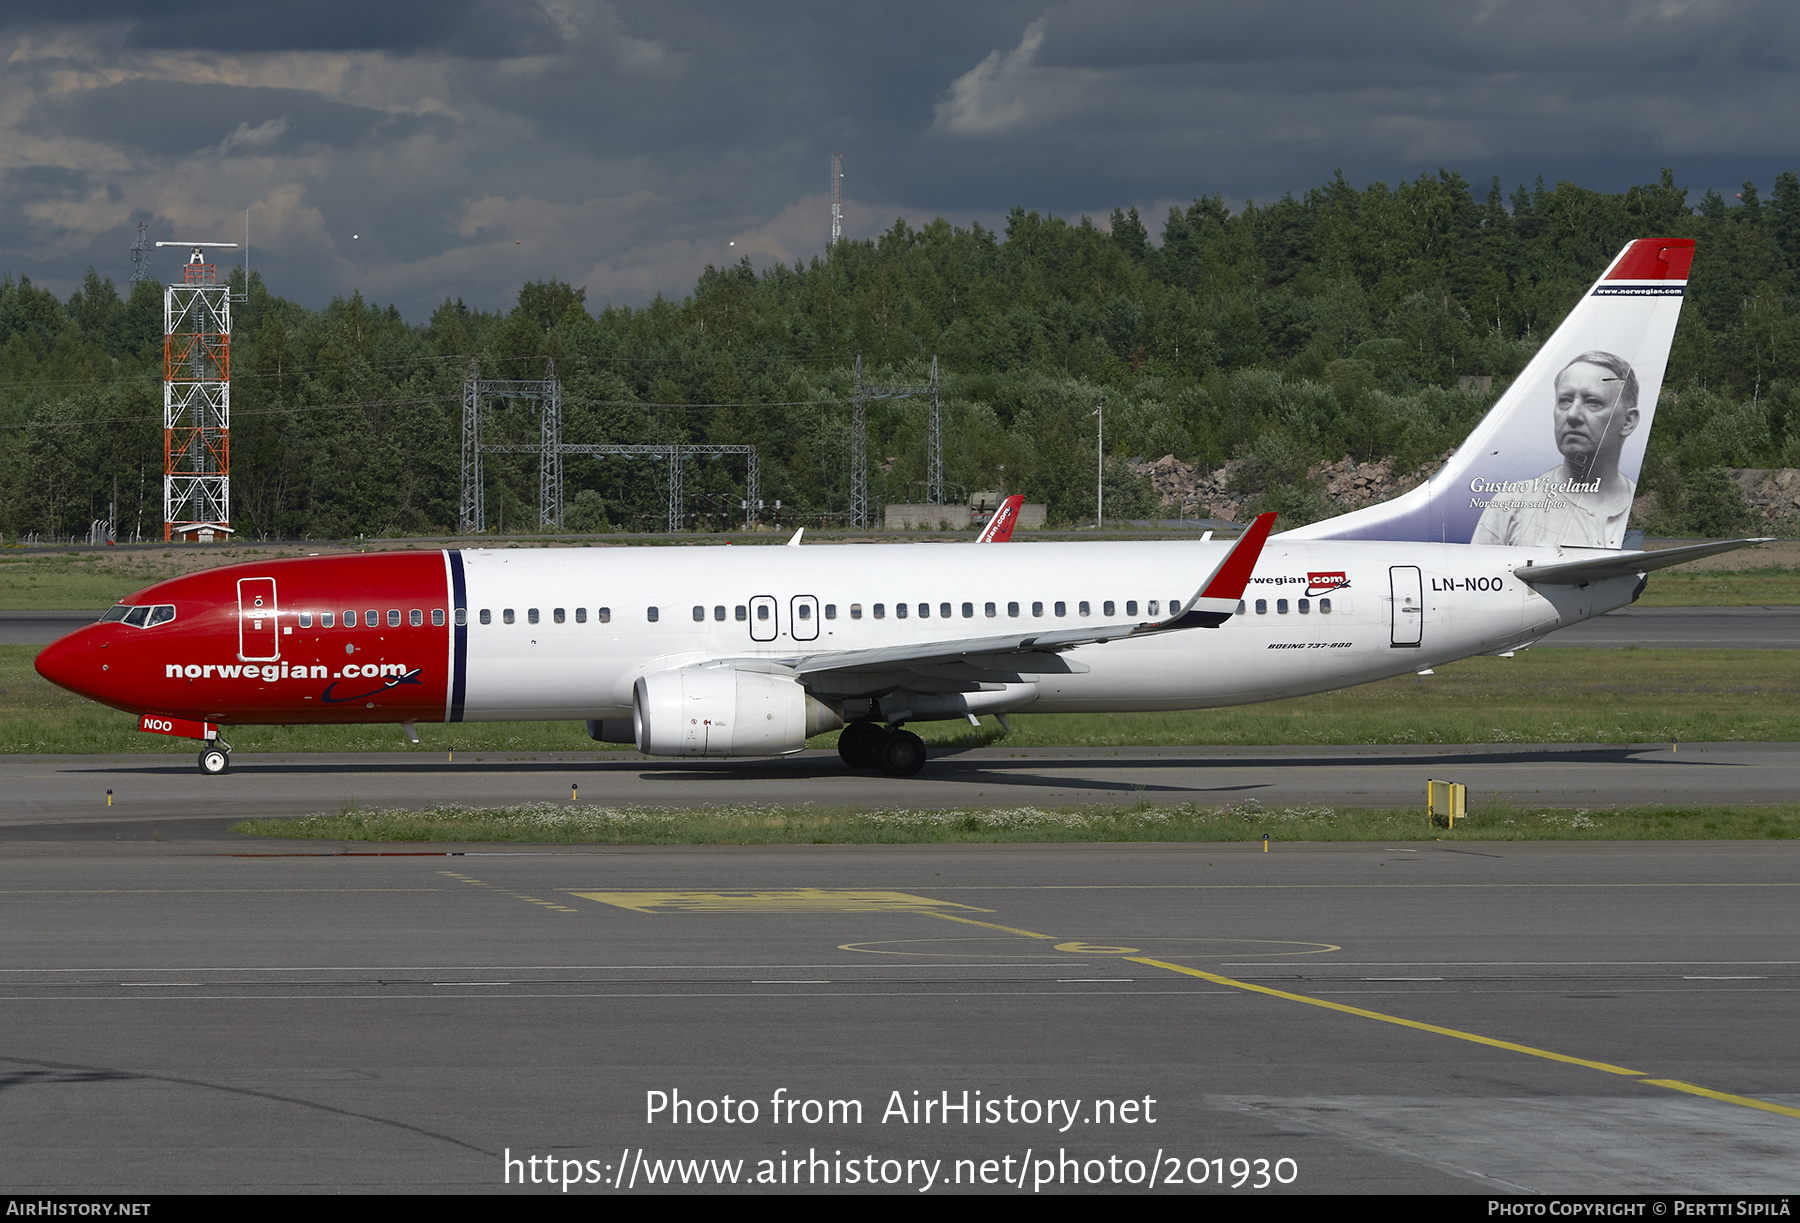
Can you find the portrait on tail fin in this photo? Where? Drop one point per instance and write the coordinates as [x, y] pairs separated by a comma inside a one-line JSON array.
[[1585, 500]]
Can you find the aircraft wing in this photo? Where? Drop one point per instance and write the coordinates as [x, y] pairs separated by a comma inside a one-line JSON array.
[[1035, 652], [1615, 565]]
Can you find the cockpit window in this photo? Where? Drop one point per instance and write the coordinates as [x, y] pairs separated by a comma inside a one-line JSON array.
[[147, 616]]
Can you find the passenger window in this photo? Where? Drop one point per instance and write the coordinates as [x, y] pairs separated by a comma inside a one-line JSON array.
[[1262, 607], [1062, 609], [900, 611], [1037, 609], [462, 618], [831, 611], [605, 615], [1240, 610], [1082, 608], [506, 615], [372, 618], [989, 609], [581, 615], [969, 611], [1324, 607], [741, 612], [487, 617], [856, 611], [1131, 607], [924, 611], [437, 617], [1109, 608], [652, 614], [416, 618], [531, 615], [559, 616], [1305, 606], [806, 611], [1012, 609], [1281, 607], [762, 611], [305, 619], [325, 619], [393, 617], [699, 614], [880, 610], [718, 611], [1150, 608], [944, 610], [349, 619]]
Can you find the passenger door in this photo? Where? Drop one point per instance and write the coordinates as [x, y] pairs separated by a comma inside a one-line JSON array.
[[259, 639], [1408, 604]]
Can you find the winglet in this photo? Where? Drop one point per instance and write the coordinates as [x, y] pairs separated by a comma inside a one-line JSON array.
[[795, 542], [1000, 527], [1217, 599]]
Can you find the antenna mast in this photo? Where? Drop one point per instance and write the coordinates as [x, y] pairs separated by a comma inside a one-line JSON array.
[[140, 255], [837, 198]]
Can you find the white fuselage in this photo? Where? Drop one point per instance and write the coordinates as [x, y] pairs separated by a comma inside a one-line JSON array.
[[1318, 615]]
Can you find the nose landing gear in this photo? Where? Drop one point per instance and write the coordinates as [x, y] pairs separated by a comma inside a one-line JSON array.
[[215, 758]]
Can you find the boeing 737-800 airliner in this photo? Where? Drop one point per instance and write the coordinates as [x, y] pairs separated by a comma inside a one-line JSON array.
[[715, 651]]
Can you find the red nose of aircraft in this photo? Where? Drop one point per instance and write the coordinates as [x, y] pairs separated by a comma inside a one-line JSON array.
[[65, 662], [82, 663]]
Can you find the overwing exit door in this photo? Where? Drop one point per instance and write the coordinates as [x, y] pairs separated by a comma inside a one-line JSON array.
[[764, 622]]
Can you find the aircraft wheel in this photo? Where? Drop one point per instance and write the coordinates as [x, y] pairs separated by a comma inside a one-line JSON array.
[[860, 745], [902, 753], [214, 760]]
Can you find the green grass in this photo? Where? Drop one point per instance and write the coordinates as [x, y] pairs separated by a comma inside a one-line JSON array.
[[1542, 696], [1245, 821], [1769, 586], [80, 579]]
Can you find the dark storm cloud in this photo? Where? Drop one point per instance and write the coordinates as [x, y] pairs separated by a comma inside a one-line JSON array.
[[168, 118], [478, 29], [420, 151]]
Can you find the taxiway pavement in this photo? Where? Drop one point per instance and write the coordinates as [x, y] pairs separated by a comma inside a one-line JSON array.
[[1548, 1018], [58, 796]]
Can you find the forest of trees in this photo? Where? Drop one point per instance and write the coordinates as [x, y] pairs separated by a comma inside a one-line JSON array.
[[1339, 323]]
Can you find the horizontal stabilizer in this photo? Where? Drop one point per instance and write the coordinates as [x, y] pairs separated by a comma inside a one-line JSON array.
[[1575, 573]]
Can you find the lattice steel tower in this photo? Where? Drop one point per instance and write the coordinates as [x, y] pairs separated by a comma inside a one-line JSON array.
[[837, 198], [196, 398]]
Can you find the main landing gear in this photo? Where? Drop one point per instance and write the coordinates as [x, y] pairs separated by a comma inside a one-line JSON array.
[[896, 752], [215, 758]]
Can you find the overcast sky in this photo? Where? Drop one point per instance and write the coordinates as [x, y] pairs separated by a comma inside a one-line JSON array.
[[456, 148]]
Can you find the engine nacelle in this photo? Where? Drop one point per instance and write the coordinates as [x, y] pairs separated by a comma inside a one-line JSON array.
[[721, 711]]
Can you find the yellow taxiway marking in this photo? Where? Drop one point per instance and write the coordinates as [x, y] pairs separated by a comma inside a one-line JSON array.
[[1473, 1037], [969, 921], [548, 904], [1747, 1101], [785, 900], [1217, 979]]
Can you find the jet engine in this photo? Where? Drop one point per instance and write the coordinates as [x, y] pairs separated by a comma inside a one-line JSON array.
[[722, 711]]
